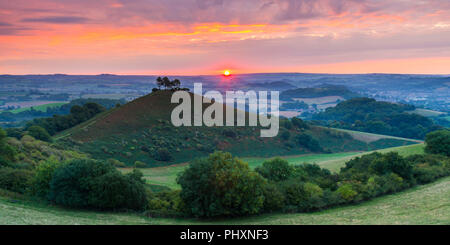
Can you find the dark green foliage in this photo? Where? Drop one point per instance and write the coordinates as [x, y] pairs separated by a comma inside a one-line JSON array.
[[43, 176], [14, 132], [273, 198], [39, 133], [285, 135], [299, 123], [438, 142], [276, 169], [296, 105], [114, 190], [305, 140], [165, 204], [221, 185], [163, 155], [7, 152], [369, 115], [16, 180], [78, 114], [84, 183]]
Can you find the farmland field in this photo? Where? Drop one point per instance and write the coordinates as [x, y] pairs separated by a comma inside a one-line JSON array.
[[40, 107], [166, 176], [427, 204]]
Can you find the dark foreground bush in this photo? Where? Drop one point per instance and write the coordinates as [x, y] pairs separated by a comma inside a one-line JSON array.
[[221, 185], [16, 180], [84, 183]]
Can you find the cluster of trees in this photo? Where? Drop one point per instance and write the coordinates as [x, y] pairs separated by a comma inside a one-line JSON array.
[[222, 185], [369, 115], [58, 123], [32, 113], [167, 83], [297, 105]]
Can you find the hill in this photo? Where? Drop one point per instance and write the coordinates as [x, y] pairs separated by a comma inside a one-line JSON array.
[[141, 131], [320, 91], [369, 115], [426, 204]]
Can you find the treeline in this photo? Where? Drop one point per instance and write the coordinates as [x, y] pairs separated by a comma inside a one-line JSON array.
[[369, 115], [44, 128], [31, 113], [221, 185], [323, 90]]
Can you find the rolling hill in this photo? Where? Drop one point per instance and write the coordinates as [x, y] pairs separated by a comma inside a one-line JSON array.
[[141, 131]]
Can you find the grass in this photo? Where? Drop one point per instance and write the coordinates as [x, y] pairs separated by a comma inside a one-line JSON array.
[[427, 113], [166, 176], [427, 204], [42, 108], [370, 137]]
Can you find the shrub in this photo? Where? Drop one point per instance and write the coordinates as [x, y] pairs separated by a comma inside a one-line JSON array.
[[276, 169], [114, 190], [116, 163], [221, 185], [43, 176], [285, 135], [139, 164], [16, 180], [273, 198], [308, 142], [299, 123], [438, 142], [346, 192], [39, 133], [163, 155], [85, 183]]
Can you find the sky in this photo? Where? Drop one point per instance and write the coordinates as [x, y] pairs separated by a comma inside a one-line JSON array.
[[200, 37]]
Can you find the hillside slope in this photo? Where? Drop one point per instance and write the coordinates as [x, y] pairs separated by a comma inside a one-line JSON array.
[[141, 131]]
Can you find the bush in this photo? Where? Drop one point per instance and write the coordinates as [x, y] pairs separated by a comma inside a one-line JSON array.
[[276, 169], [347, 192], [139, 164], [273, 198], [438, 142], [85, 183], [163, 155], [39, 133], [16, 180], [299, 123], [221, 185], [43, 176], [308, 142], [165, 204], [116, 163]]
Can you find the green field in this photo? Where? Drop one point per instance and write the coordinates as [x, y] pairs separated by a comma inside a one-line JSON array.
[[39, 107], [427, 113], [427, 204], [166, 176]]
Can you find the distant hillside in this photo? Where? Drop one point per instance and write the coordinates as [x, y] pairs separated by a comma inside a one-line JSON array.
[[141, 131], [278, 85], [322, 91], [369, 115]]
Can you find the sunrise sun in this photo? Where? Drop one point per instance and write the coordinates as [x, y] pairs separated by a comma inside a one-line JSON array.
[[226, 73]]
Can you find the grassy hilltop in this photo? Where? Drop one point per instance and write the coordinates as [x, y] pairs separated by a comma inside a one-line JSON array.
[[141, 131]]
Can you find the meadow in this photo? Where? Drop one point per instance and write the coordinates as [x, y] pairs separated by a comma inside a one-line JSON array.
[[38, 106], [166, 176], [425, 204]]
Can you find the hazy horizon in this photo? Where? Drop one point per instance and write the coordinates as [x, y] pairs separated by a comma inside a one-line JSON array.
[[191, 37]]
